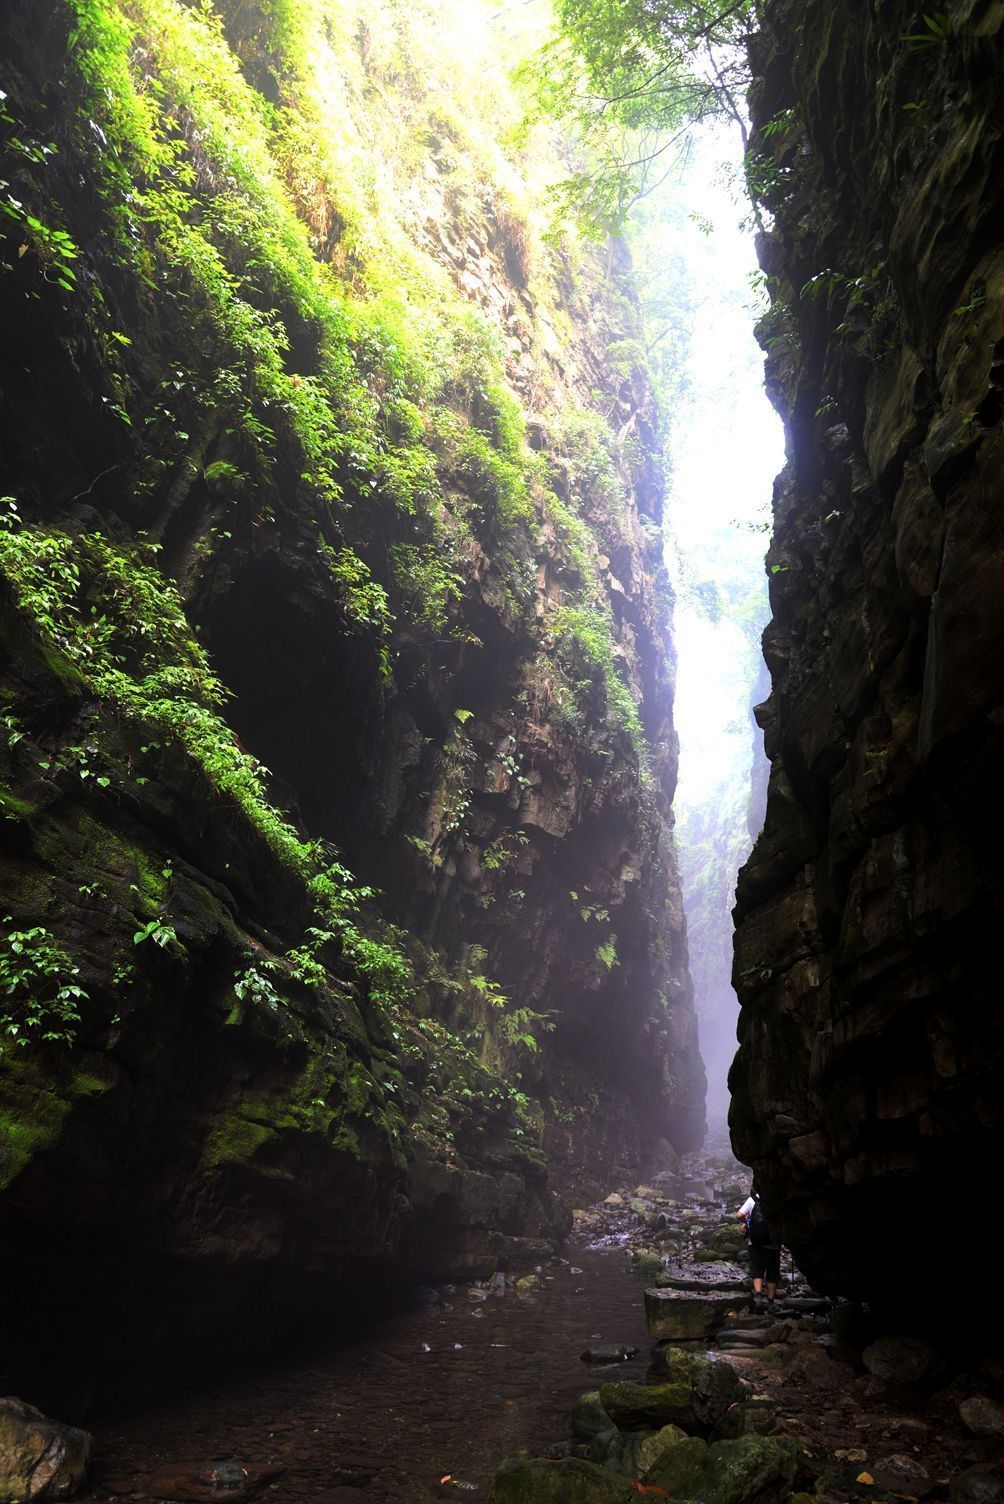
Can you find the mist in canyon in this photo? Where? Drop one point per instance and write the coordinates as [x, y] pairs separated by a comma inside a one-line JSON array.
[[696, 264]]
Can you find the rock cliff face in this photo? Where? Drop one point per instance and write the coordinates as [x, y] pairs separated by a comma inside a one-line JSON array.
[[868, 1081], [340, 889]]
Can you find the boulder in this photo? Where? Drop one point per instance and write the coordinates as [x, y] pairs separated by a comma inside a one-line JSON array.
[[818, 1369], [39, 1458], [633, 1407], [608, 1352], [902, 1474], [538, 1480], [714, 1384], [982, 1416], [676, 1466], [634, 1454], [743, 1420], [752, 1470], [687, 1315], [589, 1418], [601, 1444], [651, 1448], [901, 1360], [620, 1453], [982, 1484], [725, 1242]]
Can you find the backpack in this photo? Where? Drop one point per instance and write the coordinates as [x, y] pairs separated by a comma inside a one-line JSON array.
[[758, 1230]]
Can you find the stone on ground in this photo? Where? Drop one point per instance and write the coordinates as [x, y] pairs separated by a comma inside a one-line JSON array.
[[726, 1242], [651, 1448], [821, 1371], [39, 1458]]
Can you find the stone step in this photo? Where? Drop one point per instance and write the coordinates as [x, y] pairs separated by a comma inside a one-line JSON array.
[[688, 1315]]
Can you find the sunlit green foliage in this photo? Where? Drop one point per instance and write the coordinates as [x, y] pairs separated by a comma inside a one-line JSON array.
[[265, 179], [631, 76]]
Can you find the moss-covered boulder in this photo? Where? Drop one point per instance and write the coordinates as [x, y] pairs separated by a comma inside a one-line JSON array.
[[589, 1418], [751, 1470], [726, 1242], [674, 1465], [695, 1392], [666, 1458], [714, 1384], [635, 1407], [538, 1480]]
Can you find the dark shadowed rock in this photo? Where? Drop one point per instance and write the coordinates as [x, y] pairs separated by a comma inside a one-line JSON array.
[[870, 1072], [901, 1360], [982, 1416], [981, 1484]]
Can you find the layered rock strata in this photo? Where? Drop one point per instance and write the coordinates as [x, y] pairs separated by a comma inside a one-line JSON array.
[[335, 669], [868, 1084]]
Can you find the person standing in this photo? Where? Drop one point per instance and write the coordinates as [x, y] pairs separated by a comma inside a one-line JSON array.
[[765, 1251]]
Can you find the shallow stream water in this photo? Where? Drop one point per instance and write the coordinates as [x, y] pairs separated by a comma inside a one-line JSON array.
[[441, 1391]]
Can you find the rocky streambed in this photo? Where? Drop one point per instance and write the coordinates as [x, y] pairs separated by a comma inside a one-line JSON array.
[[554, 1370]]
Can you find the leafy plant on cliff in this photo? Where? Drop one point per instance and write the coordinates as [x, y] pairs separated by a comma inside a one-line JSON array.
[[40, 997], [937, 29], [585, 641]]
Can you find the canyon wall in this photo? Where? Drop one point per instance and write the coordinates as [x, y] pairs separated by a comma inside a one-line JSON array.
[[342, 923], [868, 1084]]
